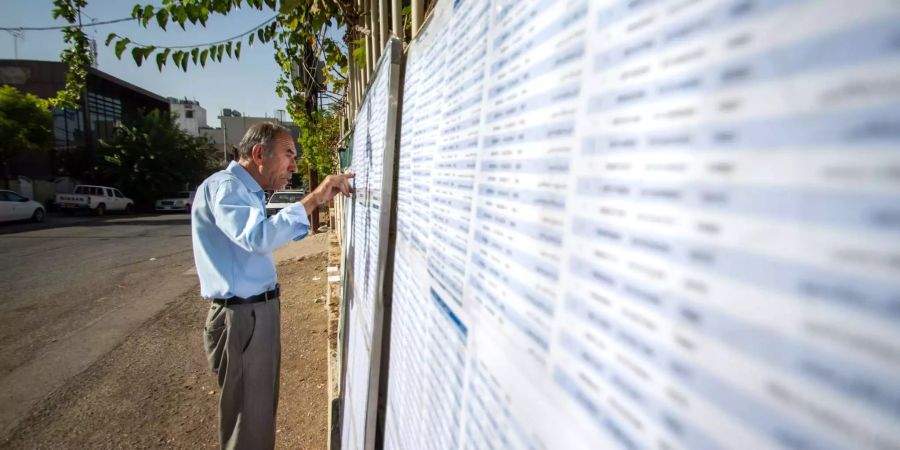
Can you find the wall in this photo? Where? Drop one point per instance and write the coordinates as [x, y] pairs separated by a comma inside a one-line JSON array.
[[191, 124]]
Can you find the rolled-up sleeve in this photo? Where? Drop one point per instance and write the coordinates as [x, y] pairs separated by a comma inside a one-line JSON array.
[[240, 216]]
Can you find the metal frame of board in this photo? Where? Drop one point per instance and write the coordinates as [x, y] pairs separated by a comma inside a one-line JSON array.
[[392, 55]]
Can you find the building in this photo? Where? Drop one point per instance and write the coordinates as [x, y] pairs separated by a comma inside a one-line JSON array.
[[233, 126], [109, 100], [191, 116]]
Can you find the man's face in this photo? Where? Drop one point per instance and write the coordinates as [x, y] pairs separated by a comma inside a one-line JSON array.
[[278, 165]]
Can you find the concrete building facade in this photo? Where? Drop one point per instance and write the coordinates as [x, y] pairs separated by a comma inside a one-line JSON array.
[[191, 116]]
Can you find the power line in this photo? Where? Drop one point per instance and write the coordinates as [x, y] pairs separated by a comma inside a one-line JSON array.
[[94, 24], [266, 22]]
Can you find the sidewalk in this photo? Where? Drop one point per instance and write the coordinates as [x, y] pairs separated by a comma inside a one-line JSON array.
[[307, 246]]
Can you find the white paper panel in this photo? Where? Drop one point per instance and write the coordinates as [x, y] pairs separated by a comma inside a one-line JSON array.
[[649, 224], [364, 219]]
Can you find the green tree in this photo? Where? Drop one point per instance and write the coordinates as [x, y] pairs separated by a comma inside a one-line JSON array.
[[296, 29], [26, 124], [319, 136], [303, 49], [150, 156]]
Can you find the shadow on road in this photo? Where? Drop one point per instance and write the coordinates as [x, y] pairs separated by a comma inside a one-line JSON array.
[[52, 221]]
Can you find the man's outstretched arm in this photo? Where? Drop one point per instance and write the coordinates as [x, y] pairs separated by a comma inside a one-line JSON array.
[[327, 189]]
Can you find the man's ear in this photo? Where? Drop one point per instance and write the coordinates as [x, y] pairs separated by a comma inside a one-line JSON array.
[[256, 154]]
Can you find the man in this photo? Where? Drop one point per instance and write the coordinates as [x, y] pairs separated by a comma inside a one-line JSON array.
[[233, 243]]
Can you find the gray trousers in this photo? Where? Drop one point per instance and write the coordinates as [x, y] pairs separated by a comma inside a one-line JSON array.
[[243, 347]]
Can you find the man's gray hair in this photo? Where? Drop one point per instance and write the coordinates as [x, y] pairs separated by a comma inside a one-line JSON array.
[[261, 133]]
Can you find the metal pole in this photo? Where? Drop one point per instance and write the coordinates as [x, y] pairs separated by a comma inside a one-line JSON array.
[[418, 15], [358, 91], [351, 83], [348, 90], [375, 27], [369, 47], [224, 138], [397, 19], [383, 21]]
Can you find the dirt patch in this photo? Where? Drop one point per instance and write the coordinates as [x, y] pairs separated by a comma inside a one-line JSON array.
[[155, 390], [303, 406]]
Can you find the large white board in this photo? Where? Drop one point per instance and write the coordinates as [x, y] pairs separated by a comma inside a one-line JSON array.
[[648, 224], [372, 153]]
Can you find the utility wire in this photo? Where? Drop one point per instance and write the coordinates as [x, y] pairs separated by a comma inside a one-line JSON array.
[[105, 22], [266, 22]]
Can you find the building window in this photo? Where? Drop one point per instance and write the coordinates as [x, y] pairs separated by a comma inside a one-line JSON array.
[[188, 114], [105, 113]]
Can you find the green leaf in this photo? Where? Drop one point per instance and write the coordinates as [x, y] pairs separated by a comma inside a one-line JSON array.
[[137, 12], [407, 10], [261, 34], [120, 47], [203, 56], [138, 54], [359, 54], [176, 57], [162, 18], [251, 40], [228, 49], [192, 12], [237, 50], [221, 51], [180, 15], [147, 15], [287, 6], [110, 38], [184, 62], [161, 58], [195, 54]]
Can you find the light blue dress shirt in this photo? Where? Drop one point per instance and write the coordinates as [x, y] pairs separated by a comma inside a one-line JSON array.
[[233, 240]]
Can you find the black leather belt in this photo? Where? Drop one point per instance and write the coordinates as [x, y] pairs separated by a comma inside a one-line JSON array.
[[265, 296]]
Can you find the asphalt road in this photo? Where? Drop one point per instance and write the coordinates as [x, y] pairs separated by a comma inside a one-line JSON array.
[[73, 288]]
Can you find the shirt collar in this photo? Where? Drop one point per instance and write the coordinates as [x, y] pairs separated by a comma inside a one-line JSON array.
[[242, 174]]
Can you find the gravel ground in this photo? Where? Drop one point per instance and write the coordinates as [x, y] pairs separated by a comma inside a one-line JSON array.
[[155, 391]]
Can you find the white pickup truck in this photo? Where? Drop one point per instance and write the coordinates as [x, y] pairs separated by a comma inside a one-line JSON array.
[[98, 199]]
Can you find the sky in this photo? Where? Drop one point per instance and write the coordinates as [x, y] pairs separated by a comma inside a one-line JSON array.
[[247, 85]]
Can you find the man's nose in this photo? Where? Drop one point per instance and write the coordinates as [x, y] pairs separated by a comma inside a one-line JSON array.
[[293, 168]]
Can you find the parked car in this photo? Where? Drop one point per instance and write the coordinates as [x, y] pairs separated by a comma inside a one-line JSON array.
[[178, 202], [282, 199], [98, 199], [16, 207]]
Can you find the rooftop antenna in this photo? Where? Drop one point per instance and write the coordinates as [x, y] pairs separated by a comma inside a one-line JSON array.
[[92, 42], [17, 35]]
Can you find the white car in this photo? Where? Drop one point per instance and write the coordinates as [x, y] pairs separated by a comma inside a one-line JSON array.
[[98, 199], [282, 199], [15, 207], [178, 202]]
